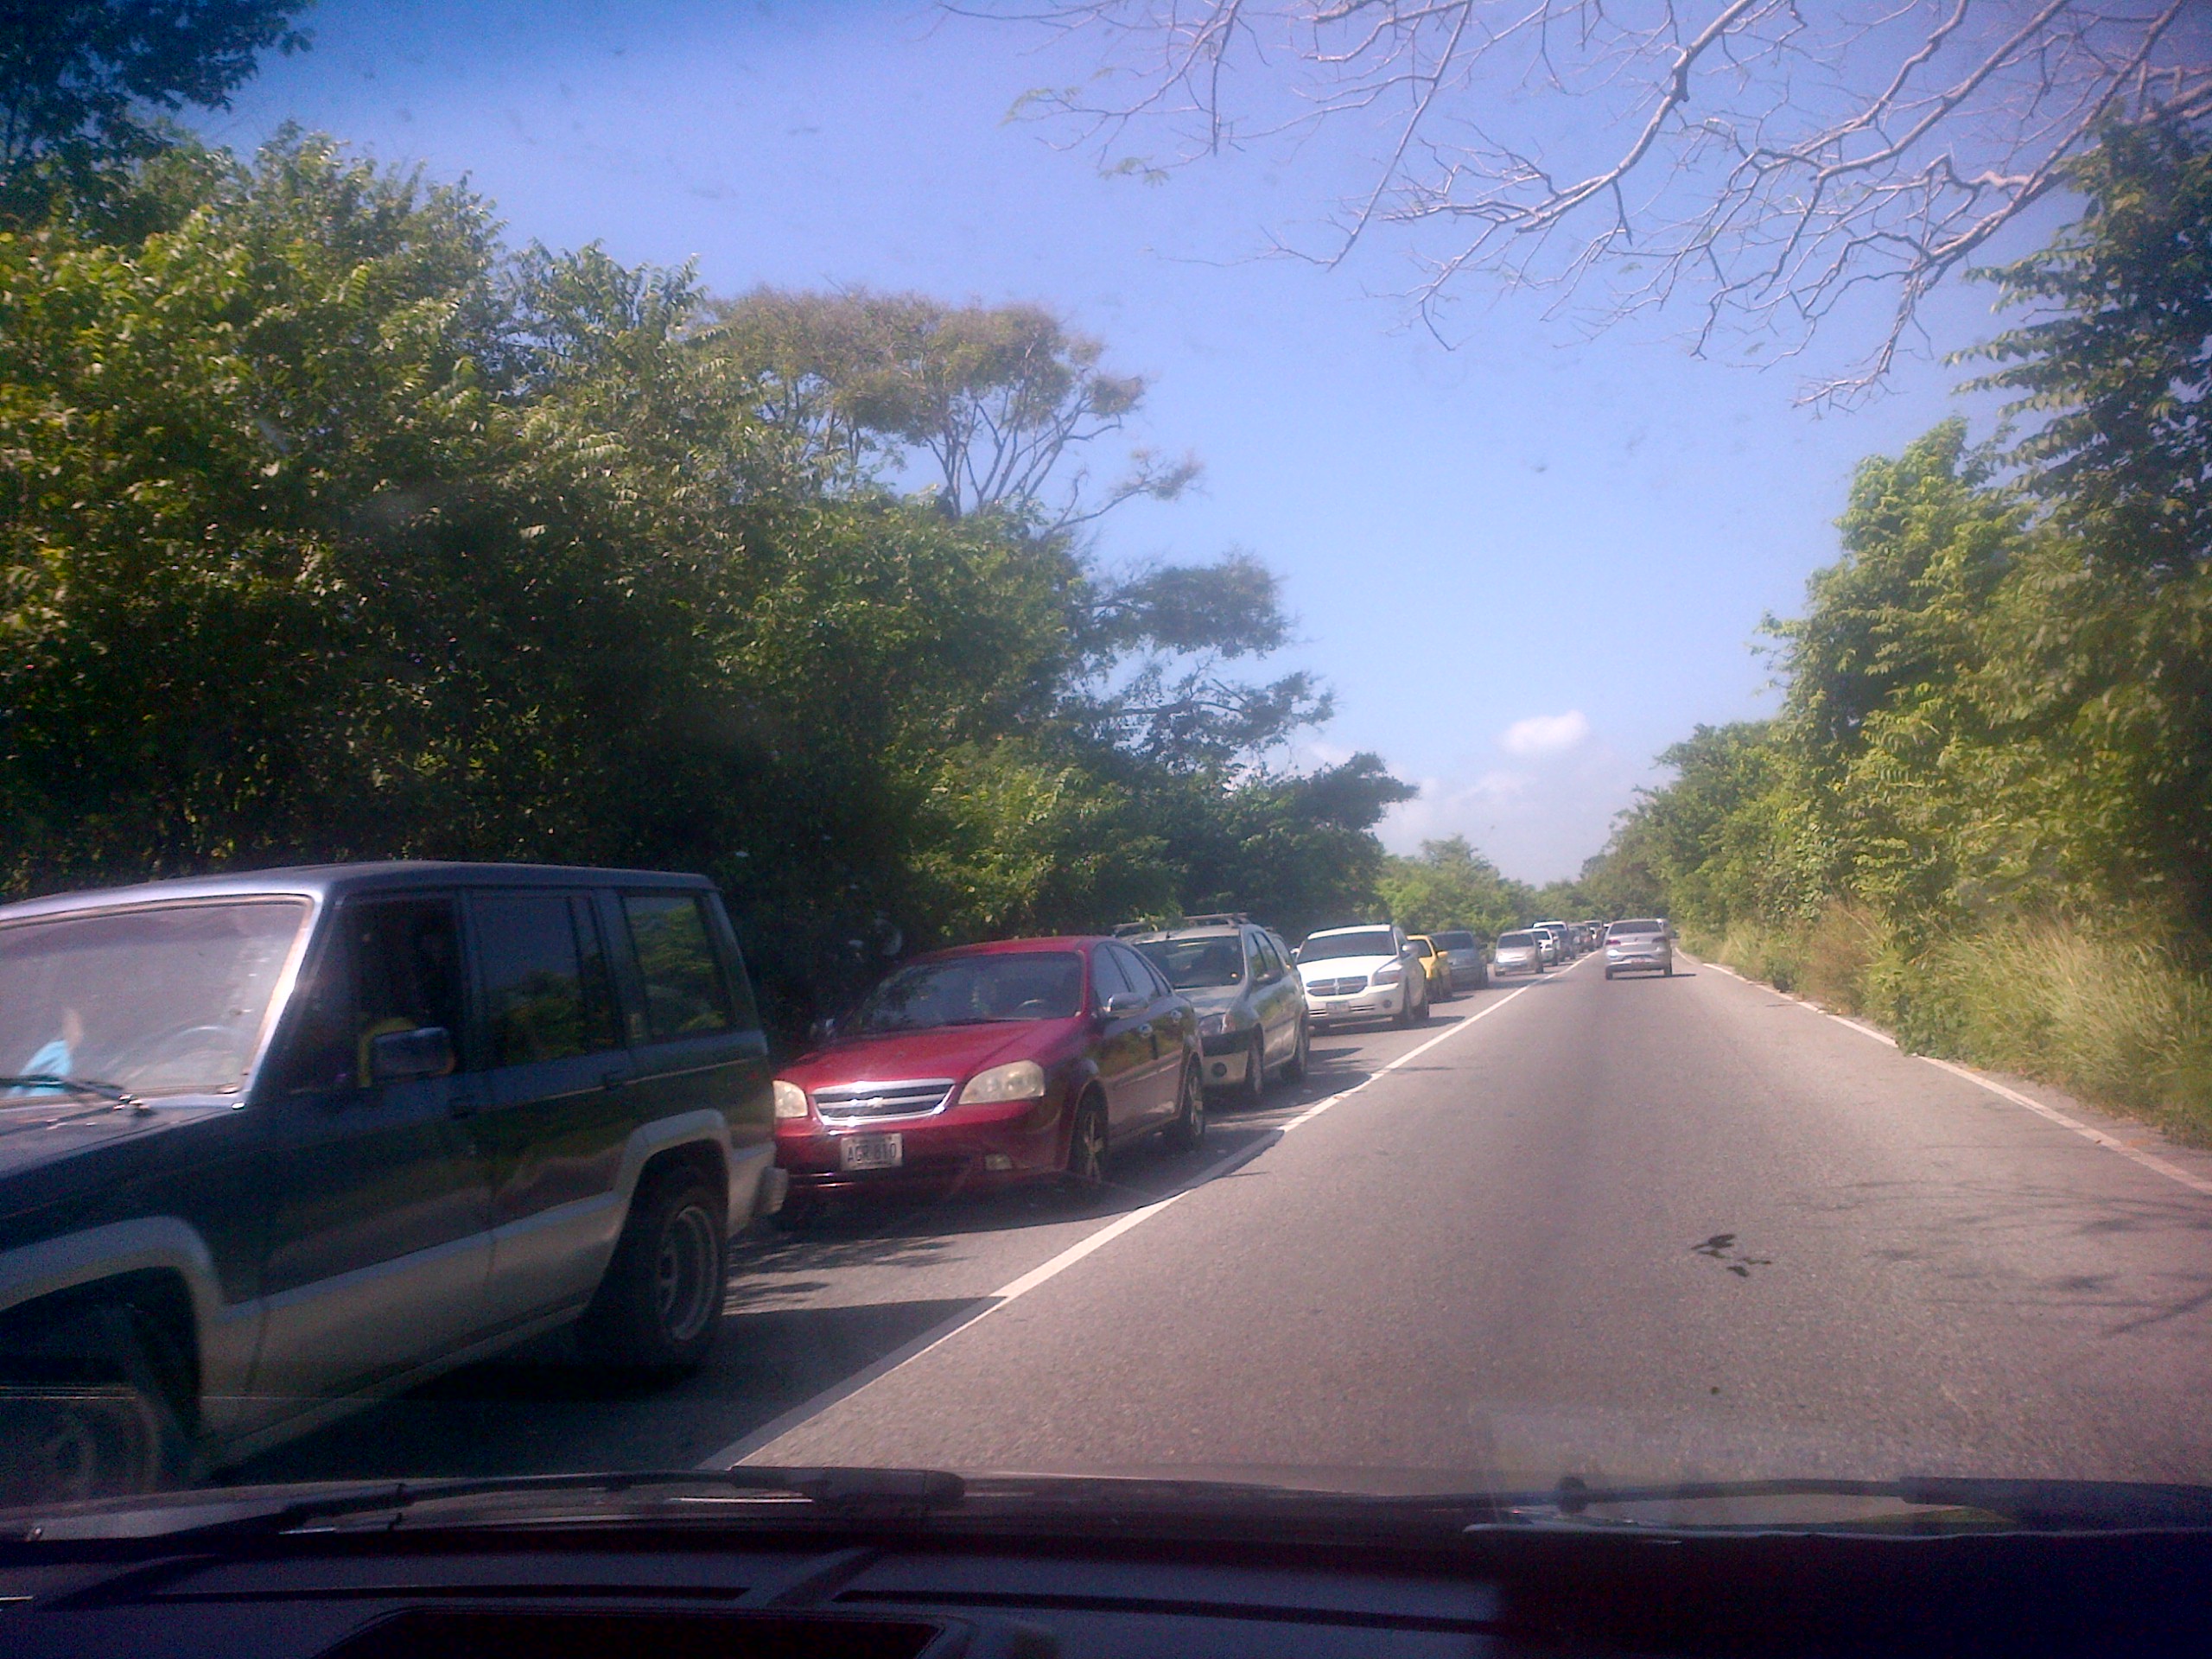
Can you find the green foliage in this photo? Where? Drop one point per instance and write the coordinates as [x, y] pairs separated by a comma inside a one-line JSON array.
[[1450, 884], [1985, 812], [999, 402], [332, 529], [2117, 366], [83, 83]]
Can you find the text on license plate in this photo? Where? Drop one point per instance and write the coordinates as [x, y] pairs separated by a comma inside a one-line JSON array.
[[872, 1151]]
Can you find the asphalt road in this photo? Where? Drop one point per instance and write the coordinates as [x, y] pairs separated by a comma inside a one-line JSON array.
[[1649, 1229]]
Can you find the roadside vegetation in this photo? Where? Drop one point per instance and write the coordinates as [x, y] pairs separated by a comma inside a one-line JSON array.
[[1984, 813], [334, 527]]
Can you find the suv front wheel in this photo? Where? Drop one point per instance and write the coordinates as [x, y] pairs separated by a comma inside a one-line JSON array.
[[657, 1307]]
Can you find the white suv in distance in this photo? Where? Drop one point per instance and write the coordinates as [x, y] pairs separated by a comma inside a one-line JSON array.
[[1642, 946], [1361, 973]]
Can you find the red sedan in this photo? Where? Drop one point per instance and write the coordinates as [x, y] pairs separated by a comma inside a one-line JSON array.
[[994, 1063]]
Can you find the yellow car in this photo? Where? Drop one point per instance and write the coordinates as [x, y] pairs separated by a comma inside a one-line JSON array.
[[1435, 964]]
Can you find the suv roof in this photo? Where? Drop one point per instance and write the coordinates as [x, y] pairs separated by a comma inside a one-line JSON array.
[[329, 880]]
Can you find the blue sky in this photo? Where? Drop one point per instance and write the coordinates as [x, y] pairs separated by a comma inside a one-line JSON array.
[[1525, 565]]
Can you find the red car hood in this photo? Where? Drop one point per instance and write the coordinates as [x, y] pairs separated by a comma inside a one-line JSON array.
[[944, 1051]]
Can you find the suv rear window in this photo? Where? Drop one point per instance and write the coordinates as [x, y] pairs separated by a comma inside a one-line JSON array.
[[543, 1000], [684, 992], [1456, 941], [1516, 938]]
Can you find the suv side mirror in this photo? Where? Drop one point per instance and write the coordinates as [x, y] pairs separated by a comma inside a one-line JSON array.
[[406, 1056]]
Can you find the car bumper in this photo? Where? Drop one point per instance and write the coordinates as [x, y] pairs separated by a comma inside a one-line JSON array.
[[1383, 1003], [1642, 962], [1468, 979], [1228, 1057], [966, 1147]]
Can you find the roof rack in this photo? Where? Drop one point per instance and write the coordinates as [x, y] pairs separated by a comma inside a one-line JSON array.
[[1218, 918]]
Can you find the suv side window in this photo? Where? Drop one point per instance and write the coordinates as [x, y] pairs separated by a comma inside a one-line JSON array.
[[1268, 966], [539, 1002], [391, 964], [685, 993]]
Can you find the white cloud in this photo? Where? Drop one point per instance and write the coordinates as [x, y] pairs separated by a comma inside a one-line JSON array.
[[1541, 734]]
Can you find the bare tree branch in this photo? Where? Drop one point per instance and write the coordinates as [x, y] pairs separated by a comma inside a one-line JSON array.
[[1780, 161]]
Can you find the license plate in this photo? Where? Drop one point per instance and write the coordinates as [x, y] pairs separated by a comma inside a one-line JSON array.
[[872, 1151]]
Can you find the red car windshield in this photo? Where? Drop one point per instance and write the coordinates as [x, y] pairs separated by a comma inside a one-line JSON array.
[[974, 990]]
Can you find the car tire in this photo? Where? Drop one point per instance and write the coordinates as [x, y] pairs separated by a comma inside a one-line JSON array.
[[1084, 1172], [1404, 1016], [1188, 1131], [1294, 1069], [90, 1409], [1609, 972], [1670, 970], [658, 1308], [1253, 1089]]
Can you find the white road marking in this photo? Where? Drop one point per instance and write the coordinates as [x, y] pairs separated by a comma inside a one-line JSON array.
[[2110, 1143], [2149, 1161], [738, 1451]]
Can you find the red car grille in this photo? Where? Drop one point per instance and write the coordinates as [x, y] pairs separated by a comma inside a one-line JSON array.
[[911, 1097]]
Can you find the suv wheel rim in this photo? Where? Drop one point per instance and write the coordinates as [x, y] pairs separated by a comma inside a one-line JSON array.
[[684, 1274]]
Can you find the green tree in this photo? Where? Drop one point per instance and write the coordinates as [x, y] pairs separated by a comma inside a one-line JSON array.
[[2116, 369], [83, 83], [1450, 884]]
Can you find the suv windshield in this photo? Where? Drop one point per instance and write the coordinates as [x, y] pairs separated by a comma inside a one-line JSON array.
[[1455, 941], [1198, 964], [974, 990], [1367, 942], [159, 1001]]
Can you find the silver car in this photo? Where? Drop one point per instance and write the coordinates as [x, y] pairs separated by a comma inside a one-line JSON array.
[[1252, 1015], [1643, 946], [1518, 952], [1464, 951]]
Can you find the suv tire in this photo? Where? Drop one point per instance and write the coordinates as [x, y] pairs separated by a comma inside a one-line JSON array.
[[658, 1308], [1294, 1069], [89, 1411]]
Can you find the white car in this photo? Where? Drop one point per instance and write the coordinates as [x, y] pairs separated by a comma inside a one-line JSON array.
[[1368, 972]]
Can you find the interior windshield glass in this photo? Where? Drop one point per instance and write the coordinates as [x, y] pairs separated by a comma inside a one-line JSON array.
[[1195, 964], [974, 990], [159, 1001], [745, 555]]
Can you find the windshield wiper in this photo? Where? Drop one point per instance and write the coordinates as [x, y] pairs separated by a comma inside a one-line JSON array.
[[120, 1097], [827, 1494]]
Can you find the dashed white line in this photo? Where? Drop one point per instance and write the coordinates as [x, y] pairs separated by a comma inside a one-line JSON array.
[[738, 1450]]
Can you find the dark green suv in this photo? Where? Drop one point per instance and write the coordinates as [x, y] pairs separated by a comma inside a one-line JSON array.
[[273, 1146]]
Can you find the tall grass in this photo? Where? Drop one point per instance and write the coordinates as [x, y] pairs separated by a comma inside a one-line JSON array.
[[2120, 1014]]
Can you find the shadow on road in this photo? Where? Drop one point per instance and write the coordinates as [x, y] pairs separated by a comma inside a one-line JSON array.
[[540, 1411]]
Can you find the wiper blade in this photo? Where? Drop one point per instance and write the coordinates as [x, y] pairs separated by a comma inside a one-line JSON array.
[[119, 1095], [1925, 1502], [791, 1496]]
